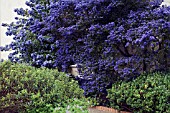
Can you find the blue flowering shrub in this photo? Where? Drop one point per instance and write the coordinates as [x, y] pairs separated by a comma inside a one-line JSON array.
[[112, 39], [38, 90], [149, 93]]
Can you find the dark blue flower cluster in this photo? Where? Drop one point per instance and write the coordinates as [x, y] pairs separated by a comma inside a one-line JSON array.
[[113, 39]]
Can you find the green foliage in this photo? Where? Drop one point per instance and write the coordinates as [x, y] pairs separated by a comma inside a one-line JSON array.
[[71, 106], [146, 94], [27, 89]]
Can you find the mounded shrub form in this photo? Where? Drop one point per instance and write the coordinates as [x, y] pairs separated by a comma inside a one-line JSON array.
[[28, 89], [149, 93]]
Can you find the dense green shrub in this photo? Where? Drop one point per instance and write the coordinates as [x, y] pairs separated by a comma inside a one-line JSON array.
[[146, 94], [24, 88]]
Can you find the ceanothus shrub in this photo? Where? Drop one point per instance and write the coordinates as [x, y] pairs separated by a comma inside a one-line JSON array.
[[112, 39]]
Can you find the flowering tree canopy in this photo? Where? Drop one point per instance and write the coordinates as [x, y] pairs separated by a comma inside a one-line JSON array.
[[113, 39]]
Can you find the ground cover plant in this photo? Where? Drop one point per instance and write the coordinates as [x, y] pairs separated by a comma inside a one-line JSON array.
[[149, 93], [112, 39], [26, 89]]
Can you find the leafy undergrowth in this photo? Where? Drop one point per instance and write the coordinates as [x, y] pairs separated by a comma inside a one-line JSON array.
[[38, 90], [149, 93]]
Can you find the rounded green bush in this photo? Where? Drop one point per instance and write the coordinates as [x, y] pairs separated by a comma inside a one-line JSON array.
[[149, 93], [27, 89]]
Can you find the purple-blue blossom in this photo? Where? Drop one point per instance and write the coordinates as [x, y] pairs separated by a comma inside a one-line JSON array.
[[113, 39]]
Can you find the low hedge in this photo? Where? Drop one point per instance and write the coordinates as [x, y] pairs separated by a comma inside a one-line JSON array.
[[149, 93], [36, 90]]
